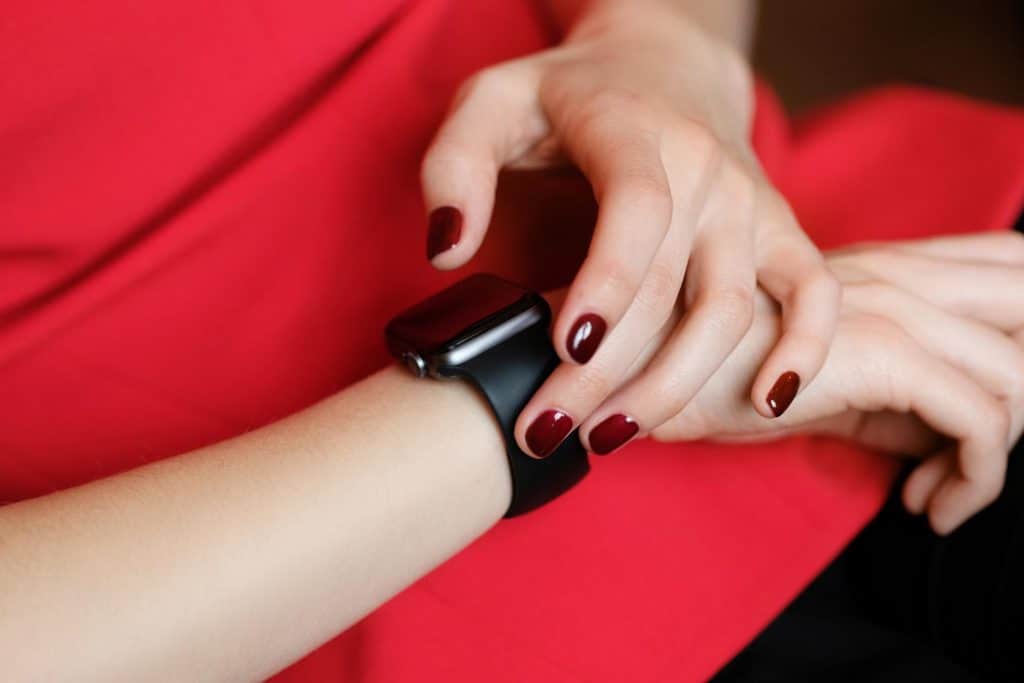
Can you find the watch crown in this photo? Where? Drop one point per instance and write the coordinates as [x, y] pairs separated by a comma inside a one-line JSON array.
[[415, 363]]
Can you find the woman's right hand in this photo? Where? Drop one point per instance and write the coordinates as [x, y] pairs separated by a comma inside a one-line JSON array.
[[655, 109], [928, 361]]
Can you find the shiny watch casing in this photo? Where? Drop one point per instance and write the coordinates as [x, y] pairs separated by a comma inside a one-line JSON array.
[[461, 322]]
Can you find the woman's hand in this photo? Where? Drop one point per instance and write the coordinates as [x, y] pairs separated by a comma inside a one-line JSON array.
[[656, 113], [927, 361]]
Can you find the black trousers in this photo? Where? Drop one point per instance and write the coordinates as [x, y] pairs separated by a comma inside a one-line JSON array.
[[902, 604]]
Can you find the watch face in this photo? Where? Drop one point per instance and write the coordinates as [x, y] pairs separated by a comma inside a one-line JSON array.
[[456, 316]]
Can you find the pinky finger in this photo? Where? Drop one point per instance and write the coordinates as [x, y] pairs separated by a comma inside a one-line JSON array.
[[976, 478], [795, 275]]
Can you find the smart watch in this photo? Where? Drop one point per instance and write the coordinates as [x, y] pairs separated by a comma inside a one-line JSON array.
[[495, 335]]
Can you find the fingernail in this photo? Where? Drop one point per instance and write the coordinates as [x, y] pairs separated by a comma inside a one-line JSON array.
[[547, 431], [444, 230], [612, 433], [585, 336], [783, 393]]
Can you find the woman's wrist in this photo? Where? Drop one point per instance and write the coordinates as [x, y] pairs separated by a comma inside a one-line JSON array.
[[453, 413], [730, 22], [685, 41], [312, 521]]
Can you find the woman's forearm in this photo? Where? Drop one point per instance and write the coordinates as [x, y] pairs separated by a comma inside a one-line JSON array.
[[234, 560], [732, 21]]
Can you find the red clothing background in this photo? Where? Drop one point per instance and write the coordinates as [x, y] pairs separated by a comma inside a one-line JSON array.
[[209, 210]]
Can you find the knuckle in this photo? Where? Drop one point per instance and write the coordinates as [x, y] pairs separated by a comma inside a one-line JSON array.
[[871, 290], [1012, 388], [1015, 383], [874, 331], [731, 309], [491, 80], [869, 294], [649, 200], [738, 187], [596, 110], [701, 140], [442, 159], [988, 480], [648, 190], [619, 100], [663, 393], [825, 285], [593, 382], [998, 419], [658, 292], [879, 259], [680, 427], [885, 354], [699, 145], [619, 278], [890, 341], [668, 394], [608, 107]]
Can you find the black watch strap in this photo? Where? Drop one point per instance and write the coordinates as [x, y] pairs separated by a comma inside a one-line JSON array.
[[508, 375]]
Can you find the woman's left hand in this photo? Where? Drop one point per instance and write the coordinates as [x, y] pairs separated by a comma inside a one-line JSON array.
[[656, 112], [928, 362]]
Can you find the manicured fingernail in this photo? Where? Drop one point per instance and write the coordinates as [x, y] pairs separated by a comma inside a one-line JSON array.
[[444, 230], [547, 431], [783, 393], [585, 336], [612, 433]]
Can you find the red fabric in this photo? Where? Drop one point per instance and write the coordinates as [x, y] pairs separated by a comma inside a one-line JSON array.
[[209, 210]]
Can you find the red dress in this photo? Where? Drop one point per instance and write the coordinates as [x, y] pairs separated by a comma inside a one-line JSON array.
[[209, 210]]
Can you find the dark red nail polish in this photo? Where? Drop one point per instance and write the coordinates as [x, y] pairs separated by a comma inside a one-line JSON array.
[[612, 433], [547, 431], [585, 336], [444, 230], [783, 393]]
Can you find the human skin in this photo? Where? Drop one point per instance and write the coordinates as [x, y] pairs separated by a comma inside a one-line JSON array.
[[316, 520], [653, 101], [927, 363]]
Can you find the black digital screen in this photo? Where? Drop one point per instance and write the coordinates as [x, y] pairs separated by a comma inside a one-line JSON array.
[[457, 314]]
